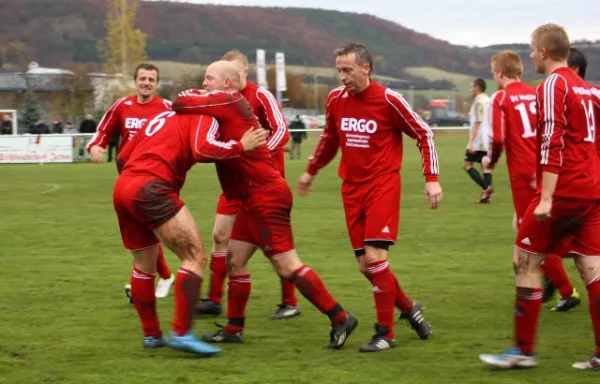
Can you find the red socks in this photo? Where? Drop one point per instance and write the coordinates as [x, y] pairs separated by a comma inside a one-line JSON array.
[[401, 301], [593, 289], [288, 293], [187, 290], [554, 268], [238, 293], [384, 293], [142, 288], [312, 288], [527, 313], [162, 268], [218, 273]]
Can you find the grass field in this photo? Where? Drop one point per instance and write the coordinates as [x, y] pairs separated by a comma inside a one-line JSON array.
[[64, 318]]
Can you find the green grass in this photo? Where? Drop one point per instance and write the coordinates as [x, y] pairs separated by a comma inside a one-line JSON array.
[[461, 81], [64, 319]]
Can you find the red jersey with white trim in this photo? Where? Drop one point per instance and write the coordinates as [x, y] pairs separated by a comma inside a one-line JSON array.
[[252, 172], [368, 127], [170, 144], [566, 135], [513, 117], [127, 116], [269, 114]]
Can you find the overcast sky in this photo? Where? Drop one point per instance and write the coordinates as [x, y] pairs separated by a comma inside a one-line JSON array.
[[466, 22]]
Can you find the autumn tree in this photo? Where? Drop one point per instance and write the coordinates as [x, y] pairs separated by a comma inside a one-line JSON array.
[[124, 46]]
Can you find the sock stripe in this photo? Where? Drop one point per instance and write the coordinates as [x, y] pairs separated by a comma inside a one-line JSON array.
[[531, 296], [378, 268], [595, 280], [218, 254], [141, 275]]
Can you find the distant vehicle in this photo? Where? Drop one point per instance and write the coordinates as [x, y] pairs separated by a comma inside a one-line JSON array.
[[441, 117]]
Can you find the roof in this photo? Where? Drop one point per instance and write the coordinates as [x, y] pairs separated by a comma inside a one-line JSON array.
[[17, 81]]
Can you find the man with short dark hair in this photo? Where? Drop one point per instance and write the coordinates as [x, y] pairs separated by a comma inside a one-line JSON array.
[[126, 116], [366, 120], [298, 134], [577, 62]]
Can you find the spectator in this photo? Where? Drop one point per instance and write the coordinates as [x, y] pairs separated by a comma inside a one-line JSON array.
[[69, 128], [57, 126], [5, 125], [297, 136], [40, 128], [87, 126], [113, 145]]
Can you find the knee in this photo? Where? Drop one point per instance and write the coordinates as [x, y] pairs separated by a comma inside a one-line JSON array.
[[525, 264], [220, 238], [467, 166]]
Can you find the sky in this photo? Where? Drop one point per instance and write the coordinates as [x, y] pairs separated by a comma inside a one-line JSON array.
[[464, 22]]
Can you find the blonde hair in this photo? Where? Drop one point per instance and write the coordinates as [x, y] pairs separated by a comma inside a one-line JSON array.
[[235, 55], [554, 39], [509, 62]]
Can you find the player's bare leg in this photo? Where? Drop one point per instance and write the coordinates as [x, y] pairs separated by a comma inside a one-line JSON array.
[[238, 293], [180, 234], [589, 269], [388, 294], [142, 286], [218, 266], [528, 271]]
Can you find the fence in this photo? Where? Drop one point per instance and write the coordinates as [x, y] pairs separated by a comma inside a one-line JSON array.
[[70, 148]]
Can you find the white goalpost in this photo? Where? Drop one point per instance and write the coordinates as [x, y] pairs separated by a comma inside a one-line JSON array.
[[12, 114]]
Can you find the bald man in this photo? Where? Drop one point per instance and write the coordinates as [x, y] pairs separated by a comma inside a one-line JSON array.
[[231, 73], [263, 220]]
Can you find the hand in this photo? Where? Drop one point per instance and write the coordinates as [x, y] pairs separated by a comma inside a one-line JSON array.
[[433, 193], [97, 154], [304, 183], [254, 138], [471, 147], [542, 211]]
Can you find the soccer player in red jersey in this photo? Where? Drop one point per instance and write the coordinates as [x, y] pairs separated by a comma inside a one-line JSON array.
[[270, 116], [567, 200], [153, 167], [366, 120], [513, 121], [263, 220], [127, 115]]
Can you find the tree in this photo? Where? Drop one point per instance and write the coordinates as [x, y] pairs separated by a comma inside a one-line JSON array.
[[30, 113], [124, 47]]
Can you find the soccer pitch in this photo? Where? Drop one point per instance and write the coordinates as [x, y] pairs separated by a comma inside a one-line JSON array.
[[64, 318]]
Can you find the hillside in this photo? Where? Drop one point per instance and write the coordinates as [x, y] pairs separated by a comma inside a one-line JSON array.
[[62, 32]]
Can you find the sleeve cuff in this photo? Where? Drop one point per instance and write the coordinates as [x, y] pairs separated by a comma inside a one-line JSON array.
[[551, 169], [431, 178], [240, 147], [311, 169]]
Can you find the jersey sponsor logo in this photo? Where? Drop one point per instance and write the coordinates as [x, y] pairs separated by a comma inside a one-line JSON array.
[[134, 123], [350, 124]]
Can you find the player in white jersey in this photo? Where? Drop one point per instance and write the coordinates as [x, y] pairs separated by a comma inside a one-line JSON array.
[[477, 147]]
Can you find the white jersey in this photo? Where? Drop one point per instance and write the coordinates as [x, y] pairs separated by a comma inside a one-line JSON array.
[[479, 113]]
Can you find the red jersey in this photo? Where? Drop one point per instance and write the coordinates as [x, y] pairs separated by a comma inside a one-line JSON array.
[[566, 135], [253, 171], [368, 127], [513, 120], [127, 116], [170, 144]]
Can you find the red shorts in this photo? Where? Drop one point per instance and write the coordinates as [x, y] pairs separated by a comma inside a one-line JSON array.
[[372, 210], [142, 204], [573, 227], [522, 194], [228, 207], [264, 221]]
